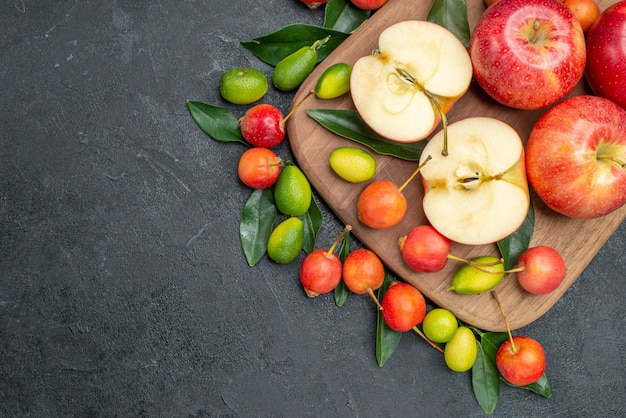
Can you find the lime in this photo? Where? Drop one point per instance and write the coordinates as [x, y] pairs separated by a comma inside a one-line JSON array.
[[353, 164], [439, 325], [334, 81], [292, 192], [243, 85], [286, 240]]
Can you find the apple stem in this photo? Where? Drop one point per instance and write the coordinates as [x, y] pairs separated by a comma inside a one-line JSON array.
[[536, 26], [295, 107], [347, 229], [506, 321], [414, 174], [370, 292], [421, 334], [444, 121], [613, 158]]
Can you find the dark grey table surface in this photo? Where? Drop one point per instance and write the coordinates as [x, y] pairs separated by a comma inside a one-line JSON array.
[[123, 287]]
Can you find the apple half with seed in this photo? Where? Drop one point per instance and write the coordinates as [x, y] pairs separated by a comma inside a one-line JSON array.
[[418, 72], [478, 193]]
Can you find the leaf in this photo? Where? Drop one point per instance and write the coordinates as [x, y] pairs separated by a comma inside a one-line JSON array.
[[343, 16], [341, 292], [515, 244], [255, 227], [485, 381], [350, 125], [491, 341], [313, 220], [277, 45], [541, 387], [452, 15], [387, 340], [217, 122]]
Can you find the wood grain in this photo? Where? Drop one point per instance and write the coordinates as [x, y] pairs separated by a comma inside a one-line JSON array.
[[577, 240]]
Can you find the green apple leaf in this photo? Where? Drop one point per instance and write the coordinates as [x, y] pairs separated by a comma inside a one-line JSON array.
[[343, 16], [257, 221], [387, 340], [515, 244], [277, 45], [485, 381], [341, 292], [217, 122], [312, 220], [350, 125], [452, 15]]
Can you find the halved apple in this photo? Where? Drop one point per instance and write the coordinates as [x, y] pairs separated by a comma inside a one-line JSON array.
[[418, 72], [478, 193]]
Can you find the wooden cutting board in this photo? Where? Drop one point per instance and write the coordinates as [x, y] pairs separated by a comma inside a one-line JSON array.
[[577, 240]]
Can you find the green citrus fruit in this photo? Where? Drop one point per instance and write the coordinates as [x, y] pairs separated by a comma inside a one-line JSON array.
[[292, 70], [461, 351], [471, 280], [353, 164], [439, 325], [243, 85], [286, 240], [292, 191], [334, 81]]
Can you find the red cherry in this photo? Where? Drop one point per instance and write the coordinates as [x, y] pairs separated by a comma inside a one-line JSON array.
[[262, 126], [404, 307], [259, 168]]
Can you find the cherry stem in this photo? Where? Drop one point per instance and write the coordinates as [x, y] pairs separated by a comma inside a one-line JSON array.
[[370, 292], [444, 121], [506, 321], [414, 174], [295, 107], [347, 229], [421, 334], [479, 266]]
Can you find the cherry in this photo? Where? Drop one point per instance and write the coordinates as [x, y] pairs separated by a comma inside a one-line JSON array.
[[259, 168], [404, 307], [320, 271], [520, 360], [424, 249], [363, 272], [540, 270], [263, 126], [382, 204]]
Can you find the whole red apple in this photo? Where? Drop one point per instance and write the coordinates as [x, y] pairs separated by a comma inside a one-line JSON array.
[[528, 54], [606, 54], [521, 360], [543, 269], [576, 157]]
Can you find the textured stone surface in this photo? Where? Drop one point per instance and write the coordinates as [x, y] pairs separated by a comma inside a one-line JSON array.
[[123, 288]]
